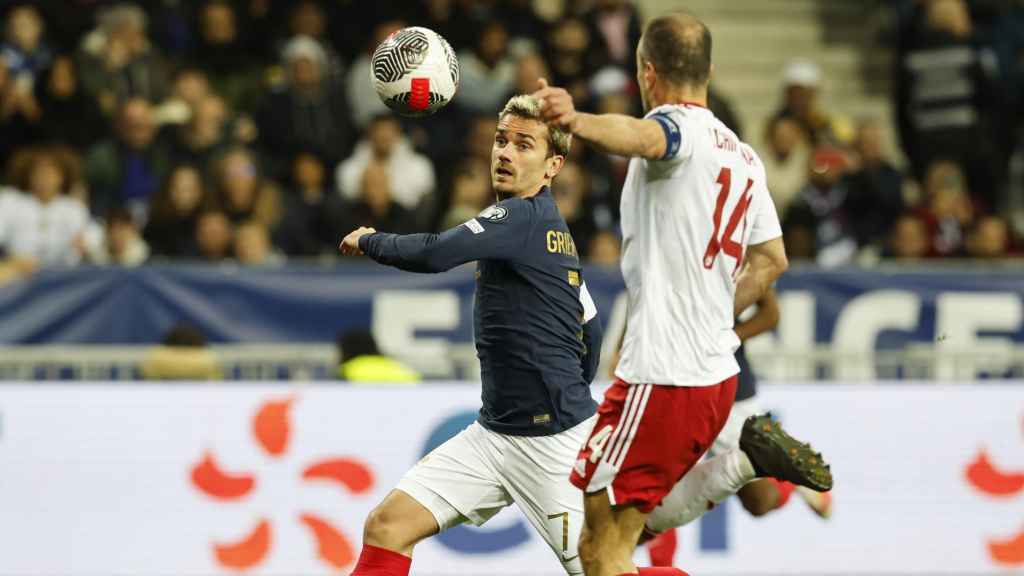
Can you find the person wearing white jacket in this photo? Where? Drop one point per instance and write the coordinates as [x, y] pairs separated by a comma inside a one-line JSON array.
[[411, 174]]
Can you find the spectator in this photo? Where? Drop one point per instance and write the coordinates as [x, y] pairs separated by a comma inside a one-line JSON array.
[[570, 190], [480, 140], [204, 136], [801, 88], [605, 249], [376, 207], [313, 213], [183, 355], [362, 361], [530, 67], [471, 193], [908, 239], [948, 211], [875, 188], [572, 59], [171, 228], [44, 227], [723, 109], [24, 50], [122, 244], [945, 93], [989, 239], [117, 61], [821, 209], [128, 170], [785, 162], [222, 55], [190, 86], [362, 96], [307, 19], [241, 192], [252, 245], [309, 112], [71, 117], [487, 72], [411, 174], [214, 236], [617, 24], [19, 112]]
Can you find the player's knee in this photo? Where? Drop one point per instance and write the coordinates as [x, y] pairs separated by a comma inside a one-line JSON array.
[[383, 528], [758, 505]]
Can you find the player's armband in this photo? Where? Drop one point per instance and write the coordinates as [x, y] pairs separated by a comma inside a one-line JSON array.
[[673, 134]]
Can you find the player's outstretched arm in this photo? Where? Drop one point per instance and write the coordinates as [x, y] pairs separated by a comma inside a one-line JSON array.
[[766, 318], [762, 266], [430, 253], [612, 133]]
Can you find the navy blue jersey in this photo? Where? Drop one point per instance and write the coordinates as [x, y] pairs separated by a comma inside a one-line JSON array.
[[746, 387], [538, 350]]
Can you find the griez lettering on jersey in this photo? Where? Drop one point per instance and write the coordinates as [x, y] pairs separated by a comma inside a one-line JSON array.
[[561, 243]]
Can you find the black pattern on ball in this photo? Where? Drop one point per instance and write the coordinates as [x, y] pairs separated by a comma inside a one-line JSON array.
[[400, 103], [453, 62], [404, 51]]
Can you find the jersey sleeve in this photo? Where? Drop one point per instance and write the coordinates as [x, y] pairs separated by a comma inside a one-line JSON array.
[[592, 335], [497, 233], [763, 218], [678, 144]]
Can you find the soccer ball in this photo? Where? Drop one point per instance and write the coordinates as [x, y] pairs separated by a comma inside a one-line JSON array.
[[415, 71]]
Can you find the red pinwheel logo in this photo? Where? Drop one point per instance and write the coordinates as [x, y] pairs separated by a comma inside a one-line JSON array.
[[985, 477], [271, 428]]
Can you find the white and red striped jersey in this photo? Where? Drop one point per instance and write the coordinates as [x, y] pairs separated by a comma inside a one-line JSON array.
[[687, 220]]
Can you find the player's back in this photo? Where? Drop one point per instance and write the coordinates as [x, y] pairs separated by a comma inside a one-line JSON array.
[[687, 220]]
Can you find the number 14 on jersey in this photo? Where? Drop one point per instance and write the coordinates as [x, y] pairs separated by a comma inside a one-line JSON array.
[[726, 243]]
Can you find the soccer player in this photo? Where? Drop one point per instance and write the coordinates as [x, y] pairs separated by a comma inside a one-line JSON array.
[[538, 340], [701, 242], [758, 497]]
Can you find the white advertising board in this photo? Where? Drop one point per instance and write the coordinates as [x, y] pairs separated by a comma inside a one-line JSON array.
[[119, 479]]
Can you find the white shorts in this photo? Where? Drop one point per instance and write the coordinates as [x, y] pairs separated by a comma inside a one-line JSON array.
[[478, 472], [729, 438]]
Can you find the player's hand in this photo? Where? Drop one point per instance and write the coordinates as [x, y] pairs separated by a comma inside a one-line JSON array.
[[556, 105], [350, 245]]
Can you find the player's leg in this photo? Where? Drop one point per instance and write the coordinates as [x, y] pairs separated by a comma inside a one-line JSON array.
[[765, 495], [455, 483], [766, 450], [644, 441], [389, 534], [536, 473], [609, 534]]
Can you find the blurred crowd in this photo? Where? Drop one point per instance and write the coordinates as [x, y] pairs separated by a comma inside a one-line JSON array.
[[249, 130]]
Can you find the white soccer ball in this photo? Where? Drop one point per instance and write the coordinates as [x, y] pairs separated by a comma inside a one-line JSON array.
[[415, 71]]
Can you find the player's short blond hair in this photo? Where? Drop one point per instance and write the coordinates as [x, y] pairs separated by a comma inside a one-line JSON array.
[[526, 106]]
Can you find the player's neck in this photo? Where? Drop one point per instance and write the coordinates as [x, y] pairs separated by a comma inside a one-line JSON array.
[[682, 95]]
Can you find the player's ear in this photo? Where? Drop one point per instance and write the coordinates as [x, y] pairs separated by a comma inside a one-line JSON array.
[[554, 166]]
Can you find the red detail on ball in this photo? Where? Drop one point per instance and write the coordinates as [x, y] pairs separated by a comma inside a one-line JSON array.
[[419, 99]]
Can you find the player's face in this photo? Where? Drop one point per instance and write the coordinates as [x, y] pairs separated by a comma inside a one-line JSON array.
[[520, 162]]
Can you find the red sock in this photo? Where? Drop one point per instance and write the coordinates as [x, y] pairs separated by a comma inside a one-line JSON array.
[[663, 548], [785, 491], [663, 571], [374, 561]]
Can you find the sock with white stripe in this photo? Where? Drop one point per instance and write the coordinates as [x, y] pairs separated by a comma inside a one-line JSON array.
[[706, 484]]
